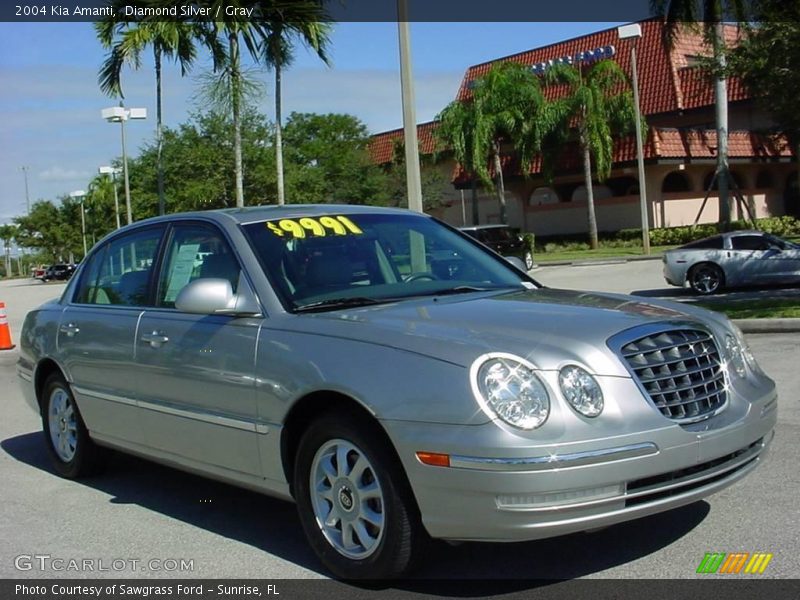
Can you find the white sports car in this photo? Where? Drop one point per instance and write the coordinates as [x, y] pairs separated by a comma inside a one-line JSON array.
[[733, 259]]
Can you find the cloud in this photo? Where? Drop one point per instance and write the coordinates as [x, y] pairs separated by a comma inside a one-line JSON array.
[[61, 174]]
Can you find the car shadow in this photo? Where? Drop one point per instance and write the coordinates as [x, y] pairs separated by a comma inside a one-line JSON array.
[[464, 570]]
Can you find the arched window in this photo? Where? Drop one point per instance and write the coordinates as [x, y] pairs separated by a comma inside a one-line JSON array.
[[737, 179], [543, 195], [623, 186], [676, 181], [764, 179], [601, 192]]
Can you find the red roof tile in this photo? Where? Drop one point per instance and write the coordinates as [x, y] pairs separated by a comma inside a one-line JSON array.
[[702, 143], [665, 143], [381, 146]]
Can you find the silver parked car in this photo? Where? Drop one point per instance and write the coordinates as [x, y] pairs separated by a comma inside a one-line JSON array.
[[390, 375], [733, 259]]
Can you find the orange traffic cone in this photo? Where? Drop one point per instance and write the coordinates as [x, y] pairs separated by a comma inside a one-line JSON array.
[[5, 332]]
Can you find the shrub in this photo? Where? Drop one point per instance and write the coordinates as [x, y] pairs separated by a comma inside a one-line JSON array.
[[668, 236]]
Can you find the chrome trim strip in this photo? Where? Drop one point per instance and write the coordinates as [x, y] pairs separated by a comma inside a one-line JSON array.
[[555, 461], [197, 416], [211, 418], [260, 428], [103, 396]]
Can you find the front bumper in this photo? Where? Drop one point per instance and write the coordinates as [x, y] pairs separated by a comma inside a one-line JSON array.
[[674, 275], [542, 491]]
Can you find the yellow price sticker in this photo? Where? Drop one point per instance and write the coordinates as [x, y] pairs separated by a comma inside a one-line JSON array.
[[314, 227]]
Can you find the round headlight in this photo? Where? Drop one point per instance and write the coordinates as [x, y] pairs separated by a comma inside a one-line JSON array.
[[581, 390], [746, 351], [506, 387], [735, 355]]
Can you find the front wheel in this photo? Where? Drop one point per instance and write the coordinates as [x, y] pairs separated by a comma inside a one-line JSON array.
[[71, 450], [354, 501], [706, 279], [529, 260]]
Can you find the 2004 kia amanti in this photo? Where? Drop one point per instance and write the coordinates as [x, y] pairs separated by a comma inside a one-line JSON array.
[[392, 376]]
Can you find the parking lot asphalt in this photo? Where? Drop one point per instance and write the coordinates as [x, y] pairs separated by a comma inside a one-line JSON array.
[[138, 511]]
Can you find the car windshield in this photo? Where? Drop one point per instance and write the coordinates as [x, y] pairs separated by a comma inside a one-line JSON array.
[[336, 261]]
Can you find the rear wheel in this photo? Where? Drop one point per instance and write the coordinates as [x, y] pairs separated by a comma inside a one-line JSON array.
[[71, 449], [354, 501], [706, 278]]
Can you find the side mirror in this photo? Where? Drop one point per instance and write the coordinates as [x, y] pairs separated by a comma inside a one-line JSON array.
[[205, 296], [214, 296], [517, 262]]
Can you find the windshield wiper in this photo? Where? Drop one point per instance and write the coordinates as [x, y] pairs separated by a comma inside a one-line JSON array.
[[334, 303], [466, 289]]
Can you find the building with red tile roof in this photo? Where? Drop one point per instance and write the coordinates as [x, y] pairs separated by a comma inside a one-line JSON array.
[[680, 152]]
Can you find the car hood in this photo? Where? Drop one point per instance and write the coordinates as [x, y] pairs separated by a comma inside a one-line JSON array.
[[549, 327]]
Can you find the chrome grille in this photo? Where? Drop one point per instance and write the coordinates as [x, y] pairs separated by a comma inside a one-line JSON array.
[[682, 372]]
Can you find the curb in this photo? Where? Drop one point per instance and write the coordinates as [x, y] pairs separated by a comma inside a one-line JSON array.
[[599, 261], [768, 325]]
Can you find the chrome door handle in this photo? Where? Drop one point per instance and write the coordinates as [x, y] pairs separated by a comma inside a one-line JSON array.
[[155, 339], [70, 329]]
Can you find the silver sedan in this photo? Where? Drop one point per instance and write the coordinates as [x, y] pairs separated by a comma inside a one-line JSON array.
[[734, 259], [390, 375]]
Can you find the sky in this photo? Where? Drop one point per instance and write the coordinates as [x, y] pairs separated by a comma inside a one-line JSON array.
[[50, 102]]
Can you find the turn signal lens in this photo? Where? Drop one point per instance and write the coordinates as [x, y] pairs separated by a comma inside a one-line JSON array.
[[434, 460]]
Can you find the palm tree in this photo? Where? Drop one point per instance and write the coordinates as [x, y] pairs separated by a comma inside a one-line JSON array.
[[711, 13], [223, 38], [7, 234], [507, 107], [125, 41], [456, 132], [303, 20], [598, 103]]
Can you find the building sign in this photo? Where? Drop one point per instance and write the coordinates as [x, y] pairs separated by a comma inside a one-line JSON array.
[[586, 57]]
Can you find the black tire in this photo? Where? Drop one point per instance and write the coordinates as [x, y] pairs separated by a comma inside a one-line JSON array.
[[528, 260], [401, 539], [79, 456], [706, 279]]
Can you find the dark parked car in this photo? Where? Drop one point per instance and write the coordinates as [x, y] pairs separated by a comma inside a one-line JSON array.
[[58, 272], [504, 240]]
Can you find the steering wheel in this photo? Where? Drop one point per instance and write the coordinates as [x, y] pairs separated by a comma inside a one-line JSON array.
[[420, 276]]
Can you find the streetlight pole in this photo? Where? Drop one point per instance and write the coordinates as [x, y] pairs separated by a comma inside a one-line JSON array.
[[413, 179], [120, 114], [27, 195], [634, 32], [113, 172], [81, 194]]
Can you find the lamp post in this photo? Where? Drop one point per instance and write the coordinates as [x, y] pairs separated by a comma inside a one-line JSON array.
[[120, 114], [113, 172], [27, 196], [634, 32], [413, 179], [81, 194]]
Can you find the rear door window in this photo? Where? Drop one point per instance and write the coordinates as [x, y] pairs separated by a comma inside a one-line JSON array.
[[119, 273]]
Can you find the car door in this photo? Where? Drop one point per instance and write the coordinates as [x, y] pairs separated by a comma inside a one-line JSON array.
[[196, 372], [758, 261], [97, 331]]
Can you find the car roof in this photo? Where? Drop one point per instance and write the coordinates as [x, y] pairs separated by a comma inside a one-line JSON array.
[[255, 214], [482, 227], [744, 232]]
